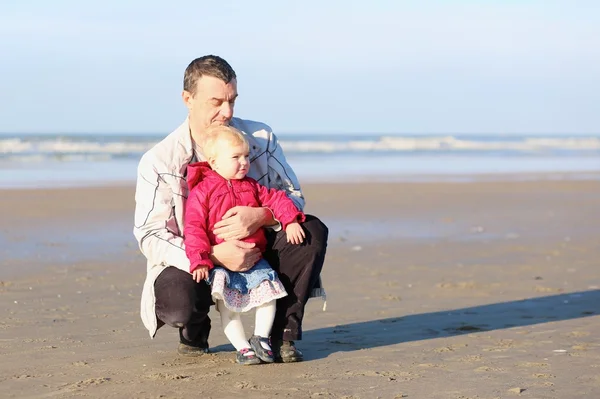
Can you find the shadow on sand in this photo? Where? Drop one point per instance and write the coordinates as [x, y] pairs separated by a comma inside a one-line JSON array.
[[322, 342]]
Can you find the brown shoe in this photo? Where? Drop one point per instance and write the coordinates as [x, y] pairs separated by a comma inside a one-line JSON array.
[[286, 352], [188, 350]]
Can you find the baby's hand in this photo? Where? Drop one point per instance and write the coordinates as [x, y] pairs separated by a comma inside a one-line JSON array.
[[201, 273], [295, 233]]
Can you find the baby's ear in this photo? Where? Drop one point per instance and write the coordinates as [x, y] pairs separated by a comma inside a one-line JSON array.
[[212, 162]]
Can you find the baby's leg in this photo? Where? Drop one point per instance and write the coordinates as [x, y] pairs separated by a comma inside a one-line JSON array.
[[265, 314], [232, 326]]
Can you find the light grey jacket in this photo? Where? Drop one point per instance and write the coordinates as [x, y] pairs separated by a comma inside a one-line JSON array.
[[161, 192]]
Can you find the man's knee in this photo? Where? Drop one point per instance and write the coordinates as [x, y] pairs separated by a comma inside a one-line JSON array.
[[180, 313], [175, 308], [176, 297], [177, 317], [317, 230]]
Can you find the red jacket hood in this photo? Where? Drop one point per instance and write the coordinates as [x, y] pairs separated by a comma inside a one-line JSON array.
[[199, 171]]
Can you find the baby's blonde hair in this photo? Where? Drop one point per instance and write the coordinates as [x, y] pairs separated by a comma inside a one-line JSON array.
[[216, 134]]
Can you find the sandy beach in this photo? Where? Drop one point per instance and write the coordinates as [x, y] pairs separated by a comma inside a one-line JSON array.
[[435, 290]]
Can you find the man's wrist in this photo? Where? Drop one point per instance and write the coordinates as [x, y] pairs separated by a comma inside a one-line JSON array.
[[268, 217], [270, 221]]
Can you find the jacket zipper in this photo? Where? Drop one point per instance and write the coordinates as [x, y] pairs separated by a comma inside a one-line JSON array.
[[232, 196]]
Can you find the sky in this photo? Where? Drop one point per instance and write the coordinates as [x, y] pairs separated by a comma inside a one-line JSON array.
[[312, 66]]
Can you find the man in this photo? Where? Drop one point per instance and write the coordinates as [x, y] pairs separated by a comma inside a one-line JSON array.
[[170, 295]]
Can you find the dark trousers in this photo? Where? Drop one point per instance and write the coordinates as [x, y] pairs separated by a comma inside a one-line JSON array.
[[183, 303]]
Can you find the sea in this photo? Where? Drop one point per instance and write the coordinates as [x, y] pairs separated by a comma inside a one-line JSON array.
[[71, 160]]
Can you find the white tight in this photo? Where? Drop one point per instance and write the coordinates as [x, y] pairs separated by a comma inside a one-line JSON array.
[[234, 330]]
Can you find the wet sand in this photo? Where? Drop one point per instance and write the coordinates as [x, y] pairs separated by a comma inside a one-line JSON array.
[[435, 290]]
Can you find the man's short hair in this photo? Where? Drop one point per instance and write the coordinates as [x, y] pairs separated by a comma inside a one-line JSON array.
[[210, 65]]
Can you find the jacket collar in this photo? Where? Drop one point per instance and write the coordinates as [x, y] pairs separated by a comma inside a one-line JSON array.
[[184, 141]]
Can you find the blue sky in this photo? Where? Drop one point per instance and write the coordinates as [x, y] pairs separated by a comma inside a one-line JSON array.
[[311, 66]]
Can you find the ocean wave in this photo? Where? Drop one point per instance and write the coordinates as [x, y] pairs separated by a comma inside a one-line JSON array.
[[447, 143], [61, 147]]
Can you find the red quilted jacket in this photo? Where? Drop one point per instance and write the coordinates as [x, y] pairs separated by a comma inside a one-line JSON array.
[[210, 196]]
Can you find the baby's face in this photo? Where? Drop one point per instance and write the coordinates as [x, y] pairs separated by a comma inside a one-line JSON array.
[[232, 160]]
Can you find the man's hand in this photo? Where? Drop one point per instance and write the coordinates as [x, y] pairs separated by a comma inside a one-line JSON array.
[[241, 221], [295, 233], [236, 256], [201, 273]]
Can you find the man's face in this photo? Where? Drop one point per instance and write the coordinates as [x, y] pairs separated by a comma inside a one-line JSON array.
[[213, 102]]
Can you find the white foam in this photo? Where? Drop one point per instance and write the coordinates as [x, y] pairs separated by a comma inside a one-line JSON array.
[[443, 143], [65, 146], [61, 146]]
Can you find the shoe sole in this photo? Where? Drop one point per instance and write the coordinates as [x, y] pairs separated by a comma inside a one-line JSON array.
[[248, 362], [289, 360]]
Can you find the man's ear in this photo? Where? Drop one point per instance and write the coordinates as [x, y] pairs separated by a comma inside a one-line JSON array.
[[188, 99]]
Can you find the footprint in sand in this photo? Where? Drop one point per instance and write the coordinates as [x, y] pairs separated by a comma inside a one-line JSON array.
[[321, 394], [543, 375], [5, 284], [461, 285], [577, 334], [167, 376], [80, 364], [533, 364], [89, 382], [488, 369], [390, 297], [450, 348], [470, 358], [431, 365], [539, 288], [390, 375], [245, 385]]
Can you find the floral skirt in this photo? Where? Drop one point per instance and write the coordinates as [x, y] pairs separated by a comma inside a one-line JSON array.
[[260, 285]]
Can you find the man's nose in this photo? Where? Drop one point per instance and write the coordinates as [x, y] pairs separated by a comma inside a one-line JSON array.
[[227, 110]]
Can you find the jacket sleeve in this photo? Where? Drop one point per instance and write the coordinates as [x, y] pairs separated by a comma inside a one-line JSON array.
[[197, 243], [284, 209], [153, 207], [281, 175]]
